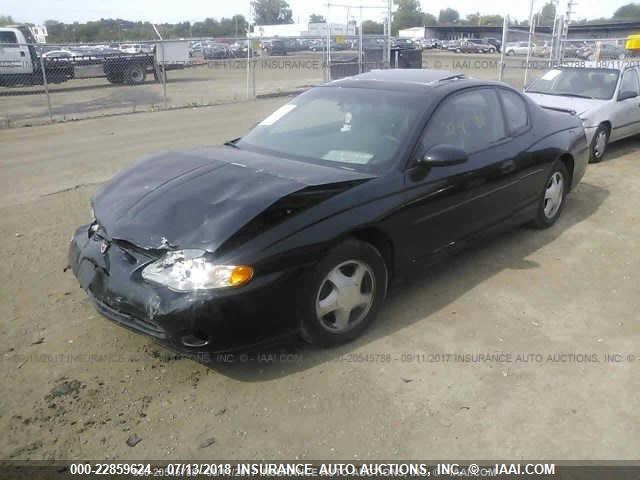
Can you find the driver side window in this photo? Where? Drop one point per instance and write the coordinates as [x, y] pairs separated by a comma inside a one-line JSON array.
[[470, 120]]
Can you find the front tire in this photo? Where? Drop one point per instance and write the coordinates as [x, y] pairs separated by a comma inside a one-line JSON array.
[[343, 294], [553, 196], [599, 144]]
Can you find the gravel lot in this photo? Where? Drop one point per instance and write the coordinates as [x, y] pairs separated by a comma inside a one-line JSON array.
[[77, 386]]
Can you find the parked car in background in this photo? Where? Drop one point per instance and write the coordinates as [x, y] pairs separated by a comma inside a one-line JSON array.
[[452, 45], [131, 48], [403, 43], [317, 45], [471, 46], [429, 43], [570, 49], [293, 45], [497, 44], [274, 47], [195, 48], [519, 48], [607, 51], [444, 45], [299, 226], [542, 49], [604, 98], [320, 45], [483, 46], [215, 51], [240, 49]]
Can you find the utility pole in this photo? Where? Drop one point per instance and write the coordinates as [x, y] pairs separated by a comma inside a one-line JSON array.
[[571, 4], [389, 32]]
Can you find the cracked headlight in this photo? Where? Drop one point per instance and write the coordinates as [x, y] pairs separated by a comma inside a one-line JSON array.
[[189, 270]]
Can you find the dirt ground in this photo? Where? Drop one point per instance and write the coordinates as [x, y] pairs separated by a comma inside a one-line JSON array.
[[215, 82], [536, 313]]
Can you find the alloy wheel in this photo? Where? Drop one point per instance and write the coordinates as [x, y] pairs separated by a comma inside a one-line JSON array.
[[345, 296], [600, 144], [553, 195]]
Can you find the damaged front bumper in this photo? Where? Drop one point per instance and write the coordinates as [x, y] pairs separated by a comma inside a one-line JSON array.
[[213, 320]]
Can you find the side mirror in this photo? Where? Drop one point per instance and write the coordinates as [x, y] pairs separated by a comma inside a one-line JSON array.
[[625, 95], [443, 155]]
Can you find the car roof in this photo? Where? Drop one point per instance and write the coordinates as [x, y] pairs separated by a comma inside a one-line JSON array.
[[398, 78], [418, 81]]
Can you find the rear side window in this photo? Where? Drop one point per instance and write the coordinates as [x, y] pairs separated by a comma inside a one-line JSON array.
[[8, 37], [515, 110]]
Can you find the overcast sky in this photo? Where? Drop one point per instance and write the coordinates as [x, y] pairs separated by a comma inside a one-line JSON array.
[[37, 11]]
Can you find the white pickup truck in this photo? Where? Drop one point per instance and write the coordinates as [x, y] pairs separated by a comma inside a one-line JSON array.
[[21, 64]]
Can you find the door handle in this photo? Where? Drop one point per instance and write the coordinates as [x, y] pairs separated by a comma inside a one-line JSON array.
[[508, 166]]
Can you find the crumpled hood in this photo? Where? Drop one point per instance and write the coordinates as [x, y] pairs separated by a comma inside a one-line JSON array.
[[578, 105], [201, 197]]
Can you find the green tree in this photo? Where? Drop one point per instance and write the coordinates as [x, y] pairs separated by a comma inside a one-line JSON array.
[[448, 16], [430, 20], [408, 14], [473, 19], [315, 18], [369, 27], [627, 12], [6, 20], [492, 20], [547, 15], [271, 12]]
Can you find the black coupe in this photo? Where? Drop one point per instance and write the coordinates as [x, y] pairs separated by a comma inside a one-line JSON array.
[[300, 225]]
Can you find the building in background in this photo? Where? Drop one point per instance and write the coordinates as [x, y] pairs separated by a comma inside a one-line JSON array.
[[415, 33], [613, 30]]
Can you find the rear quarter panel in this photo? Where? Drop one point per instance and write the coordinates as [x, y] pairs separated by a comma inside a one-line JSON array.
[[560, 134]]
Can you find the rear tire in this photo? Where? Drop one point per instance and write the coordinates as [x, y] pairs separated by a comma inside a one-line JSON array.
[[342, 294], [553, 196], [135, 74]]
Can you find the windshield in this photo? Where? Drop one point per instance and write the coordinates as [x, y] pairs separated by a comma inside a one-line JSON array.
[[352, 128], [598, 83]]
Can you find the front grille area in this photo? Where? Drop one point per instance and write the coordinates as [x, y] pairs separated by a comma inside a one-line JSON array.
[[143, 325]]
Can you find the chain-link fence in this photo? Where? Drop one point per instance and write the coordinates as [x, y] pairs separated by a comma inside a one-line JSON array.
[[42, 83]]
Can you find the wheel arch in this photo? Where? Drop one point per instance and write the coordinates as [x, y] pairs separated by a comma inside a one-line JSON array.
[[569, 163], [381, 242], [606, 123]]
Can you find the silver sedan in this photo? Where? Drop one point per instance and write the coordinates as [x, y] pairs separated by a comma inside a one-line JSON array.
[[605, 96]]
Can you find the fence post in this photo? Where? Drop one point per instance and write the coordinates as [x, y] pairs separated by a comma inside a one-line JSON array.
[[505, 31], [254, 61], [164, 77], [248, 70], [46, 86]]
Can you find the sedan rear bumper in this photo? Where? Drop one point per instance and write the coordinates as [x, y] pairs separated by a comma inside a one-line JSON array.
[[213, 321]]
